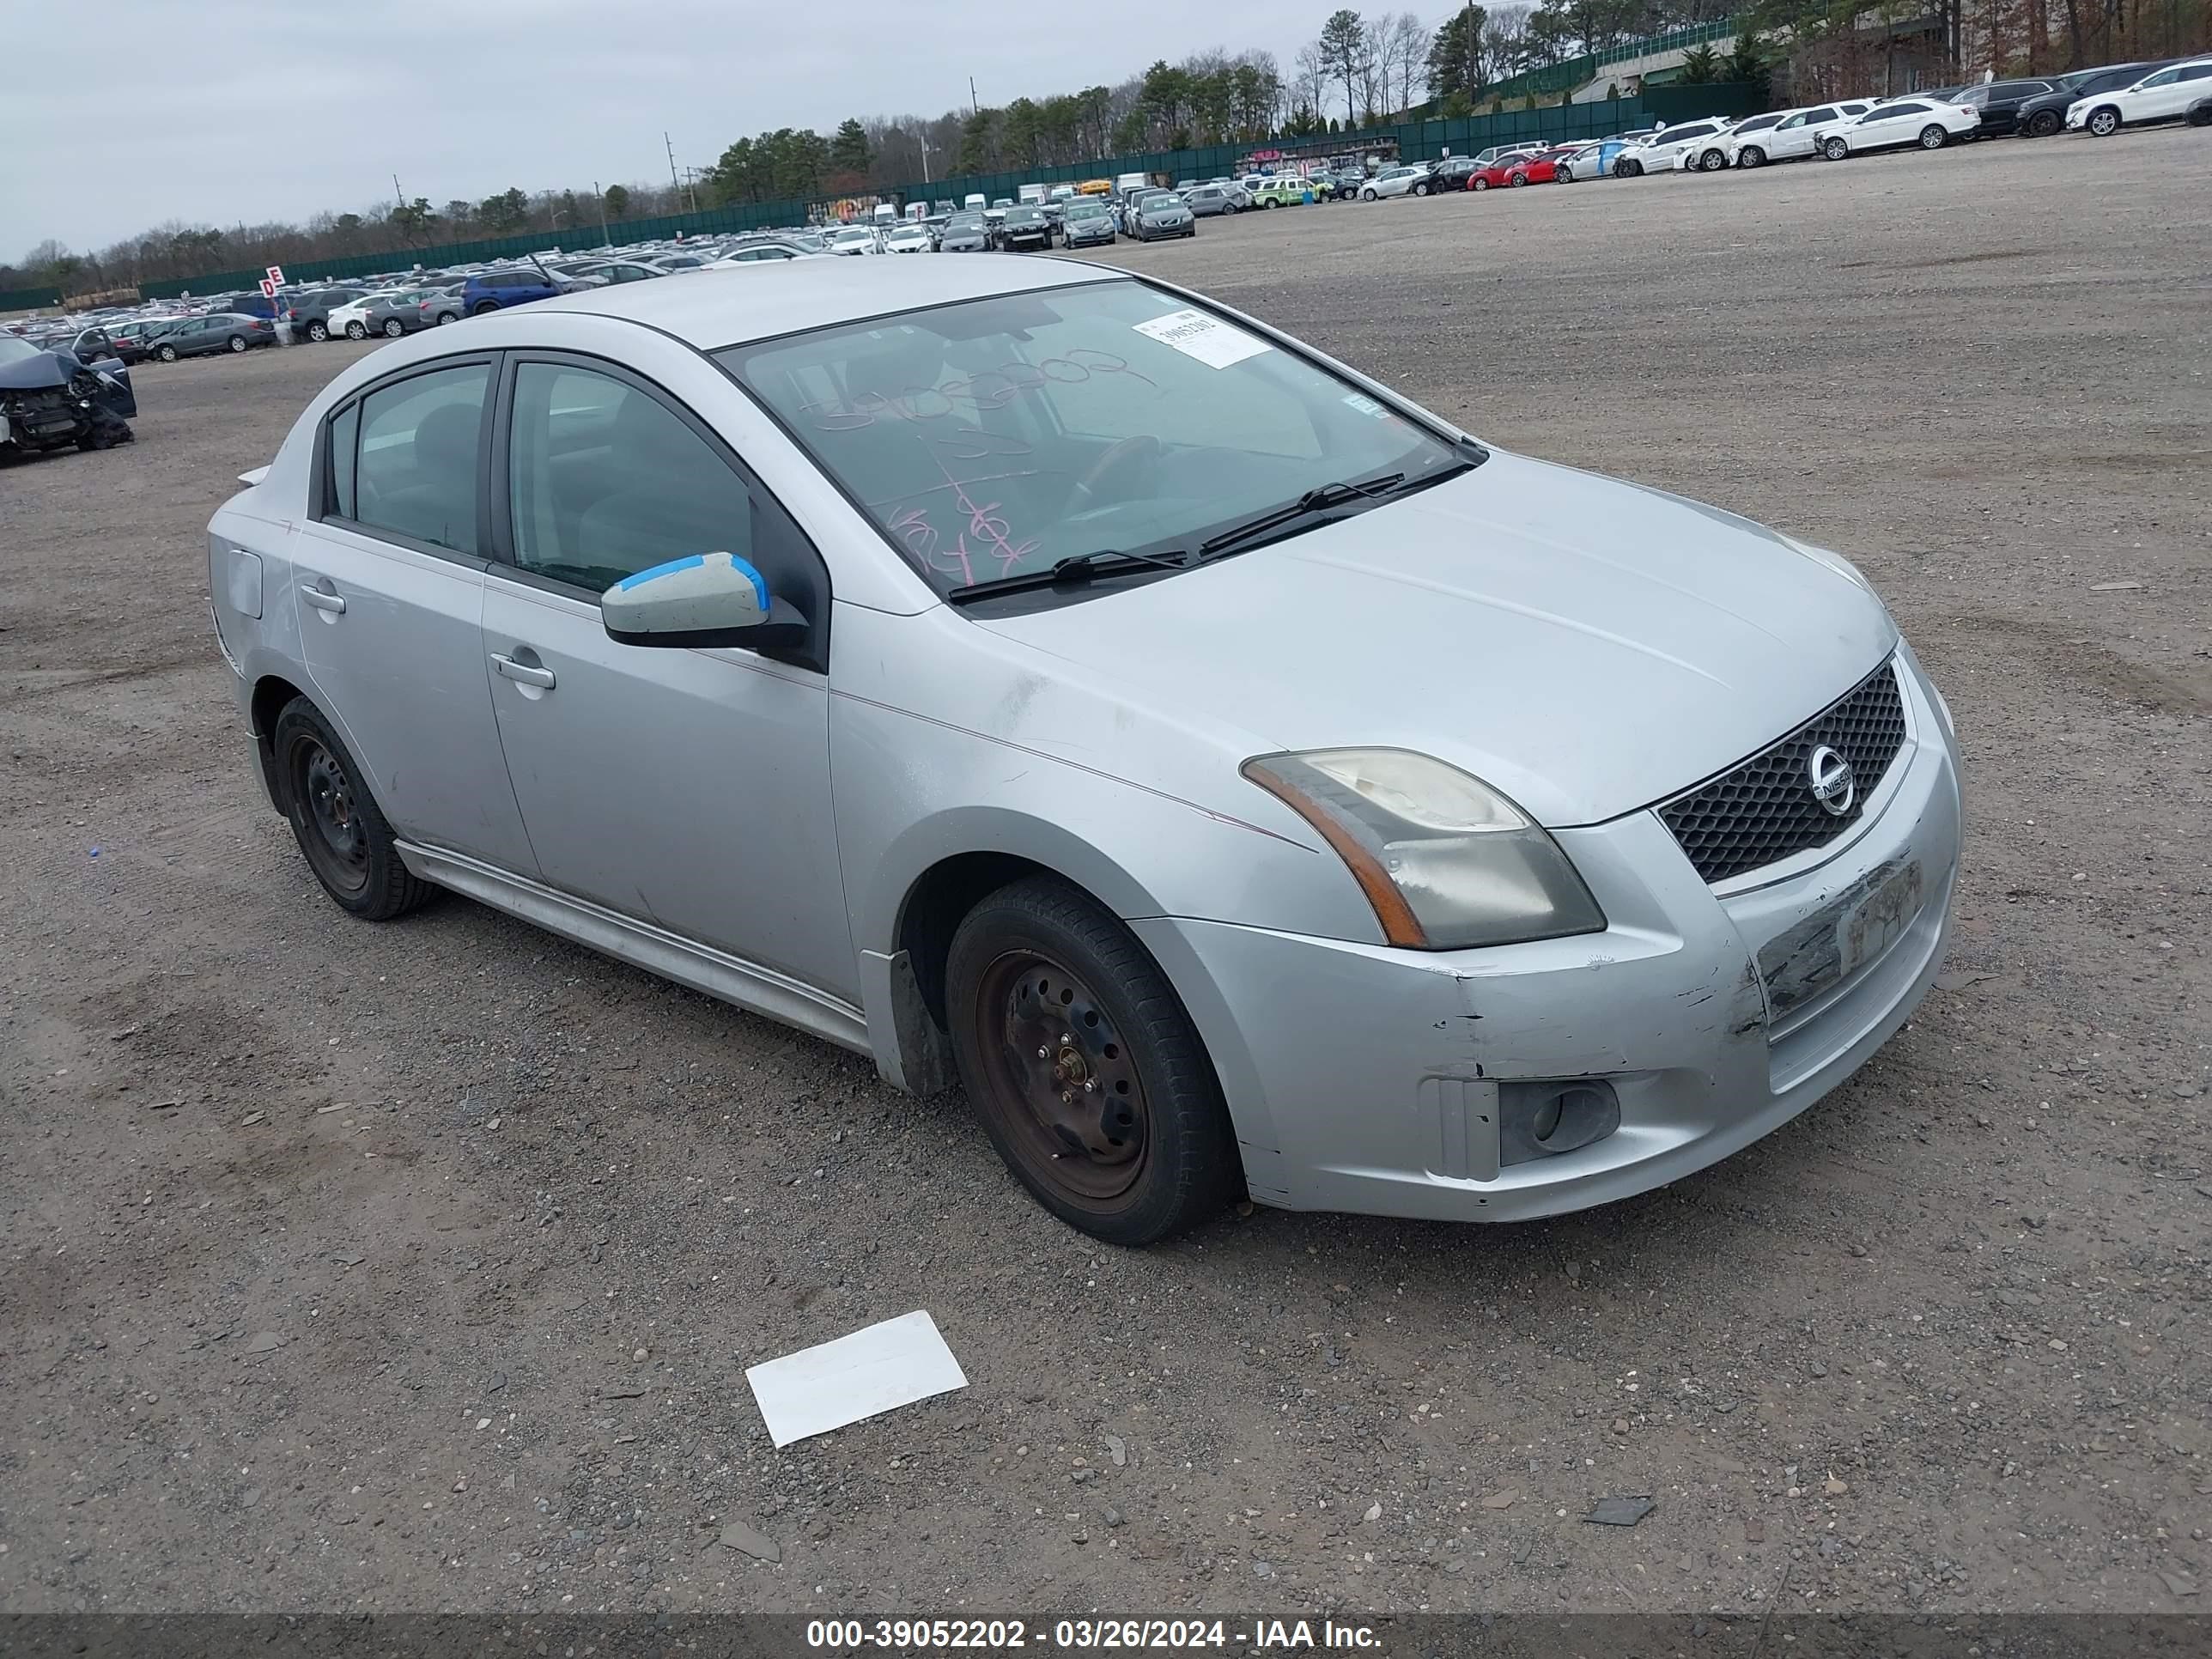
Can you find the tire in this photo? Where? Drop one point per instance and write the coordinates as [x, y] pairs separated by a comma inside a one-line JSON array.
[[1751, 156], [356, 331], [1421, 188], [1478, 183], [394, 328], [318, 333], [167, 354], [1631, 169], [1834, 148], [2042, 124], [443, 318], [2103, 123], [1157, 1156], [1933, 137], [2200, 113], [484, 305], [342, 834], [1517, 180], [1711, 161], [238, 343], [1367, 195]]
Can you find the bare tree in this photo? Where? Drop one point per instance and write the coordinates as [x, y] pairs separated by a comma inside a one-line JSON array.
[[1404, 51]]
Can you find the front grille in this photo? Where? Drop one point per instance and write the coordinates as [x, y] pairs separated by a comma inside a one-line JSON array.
[[1764, 810]]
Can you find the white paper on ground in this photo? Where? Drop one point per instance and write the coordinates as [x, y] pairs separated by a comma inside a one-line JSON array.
[[1212, 342], [825, 1387]]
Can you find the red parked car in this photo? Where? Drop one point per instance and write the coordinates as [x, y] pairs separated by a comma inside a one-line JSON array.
[[1542, 167]]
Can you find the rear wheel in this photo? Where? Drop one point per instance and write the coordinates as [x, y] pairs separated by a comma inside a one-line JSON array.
[[1751, 156], [1086, 1072], [2042, 124], [318, 333], [2104, 122], [394, 328], [238, 343], [1933, 137], [484, 305], [341, 833]]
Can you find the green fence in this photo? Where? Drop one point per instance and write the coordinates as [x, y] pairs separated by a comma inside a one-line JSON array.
[[28, 299], [1563, 76], [1416, 140]]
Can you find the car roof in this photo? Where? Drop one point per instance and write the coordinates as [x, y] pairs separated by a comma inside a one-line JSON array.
[[721, 309]]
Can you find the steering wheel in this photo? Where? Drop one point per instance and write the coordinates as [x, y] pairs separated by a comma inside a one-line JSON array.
[[1132, 456]]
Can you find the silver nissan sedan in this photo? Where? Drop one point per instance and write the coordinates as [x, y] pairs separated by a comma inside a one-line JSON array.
[[1046, 680]]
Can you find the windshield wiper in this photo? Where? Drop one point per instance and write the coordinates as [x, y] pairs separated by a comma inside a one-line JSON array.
[[1073, 571], [1320, 499]]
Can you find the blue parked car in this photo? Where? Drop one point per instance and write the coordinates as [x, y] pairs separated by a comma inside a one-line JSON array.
[[491, 290]]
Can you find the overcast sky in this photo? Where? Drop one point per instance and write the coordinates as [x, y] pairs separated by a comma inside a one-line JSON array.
[[221, 111]]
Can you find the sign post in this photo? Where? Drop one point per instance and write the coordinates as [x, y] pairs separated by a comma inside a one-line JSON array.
[[272, 283]]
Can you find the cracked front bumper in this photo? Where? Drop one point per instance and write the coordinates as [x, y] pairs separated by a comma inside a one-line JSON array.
[[1366, 1079]]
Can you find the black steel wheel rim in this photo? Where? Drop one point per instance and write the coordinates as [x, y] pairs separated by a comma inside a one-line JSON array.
[[329, 815], [1059, 1081]]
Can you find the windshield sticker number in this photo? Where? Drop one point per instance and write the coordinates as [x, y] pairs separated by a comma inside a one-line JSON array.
[[1365, 405], [1212, 342]]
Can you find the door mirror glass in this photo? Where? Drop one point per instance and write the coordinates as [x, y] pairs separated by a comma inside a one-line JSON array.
[[705, 599]]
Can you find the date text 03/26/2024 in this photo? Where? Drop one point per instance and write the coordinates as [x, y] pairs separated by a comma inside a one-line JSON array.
[[1006, 1635]]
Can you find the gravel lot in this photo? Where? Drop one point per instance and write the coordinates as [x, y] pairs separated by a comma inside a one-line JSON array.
[[418, 1266]]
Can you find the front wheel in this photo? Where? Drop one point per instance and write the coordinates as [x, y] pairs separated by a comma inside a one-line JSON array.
[[356, 331], [1086, 1072], [1712, 161], [1835, 149], [1367, 195], [342, 834], [1479, 183], [1933, 137], [167, 354], [1517, 180], [238, 343], [2043, 123], [2104, 122], [1751, 156]]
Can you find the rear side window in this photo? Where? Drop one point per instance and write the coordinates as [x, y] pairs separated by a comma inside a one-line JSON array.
[[2195, 72], [416, 465]]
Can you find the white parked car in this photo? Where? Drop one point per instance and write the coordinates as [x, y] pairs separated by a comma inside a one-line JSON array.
[[1927, 122], [909, 239], [855, 239], [1798, 134], [1722, 150], [1656, 154], [353, 314], [1392, 181], [2164, 95], [1588, 162]]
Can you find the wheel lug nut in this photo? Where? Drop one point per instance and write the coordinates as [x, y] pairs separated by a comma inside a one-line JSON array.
[[1044, 1053], [1067, 1097], [1091, 1086]]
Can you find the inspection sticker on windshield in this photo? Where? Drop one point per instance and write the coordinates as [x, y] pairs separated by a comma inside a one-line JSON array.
[[1209, 339], [1363, 403]]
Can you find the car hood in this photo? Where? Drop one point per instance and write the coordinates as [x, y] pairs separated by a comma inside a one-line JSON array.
[[1587, 645], [48, 368]]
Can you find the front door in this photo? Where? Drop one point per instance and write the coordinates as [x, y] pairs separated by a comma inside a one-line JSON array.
[[389, 589], [686, 788]]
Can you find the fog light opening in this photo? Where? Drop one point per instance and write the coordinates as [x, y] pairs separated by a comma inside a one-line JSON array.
[[1546, 1119]]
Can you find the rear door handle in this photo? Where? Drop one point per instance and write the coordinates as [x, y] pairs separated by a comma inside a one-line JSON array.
[[526, 673], [323, 600]]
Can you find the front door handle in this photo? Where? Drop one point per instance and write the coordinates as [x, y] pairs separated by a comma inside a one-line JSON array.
[[323, 600], [525, 673]]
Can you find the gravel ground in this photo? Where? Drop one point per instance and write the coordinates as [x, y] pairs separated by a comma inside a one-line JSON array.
[[417, 1266]]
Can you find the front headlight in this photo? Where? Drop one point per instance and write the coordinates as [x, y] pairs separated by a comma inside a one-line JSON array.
[[1447, 862]]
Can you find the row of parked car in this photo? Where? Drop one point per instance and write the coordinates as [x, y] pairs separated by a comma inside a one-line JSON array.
[[2099, 101]]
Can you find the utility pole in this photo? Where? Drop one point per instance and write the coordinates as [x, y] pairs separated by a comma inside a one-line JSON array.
[[604, 240], [398, 196], [974, 108], [674, 186]]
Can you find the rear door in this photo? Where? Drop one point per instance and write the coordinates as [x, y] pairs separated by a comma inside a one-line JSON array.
[[388, 581]]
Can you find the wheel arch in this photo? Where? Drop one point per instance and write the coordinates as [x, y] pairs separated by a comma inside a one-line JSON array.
[[271, 692]]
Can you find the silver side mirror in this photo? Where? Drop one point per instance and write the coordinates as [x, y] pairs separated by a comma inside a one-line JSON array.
[[703, 600]]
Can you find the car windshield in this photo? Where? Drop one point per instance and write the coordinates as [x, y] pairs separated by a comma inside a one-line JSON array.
[[14, 349], [998, 436], [857, 233], [1023, 215]]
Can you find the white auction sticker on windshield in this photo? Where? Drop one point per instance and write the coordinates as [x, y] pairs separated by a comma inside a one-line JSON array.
[[1212, 342]]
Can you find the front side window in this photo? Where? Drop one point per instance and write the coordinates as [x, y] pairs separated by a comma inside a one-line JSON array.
[[998, 436], [606, 481], [416, 473]]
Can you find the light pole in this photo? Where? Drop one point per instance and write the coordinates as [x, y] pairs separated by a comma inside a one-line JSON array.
[[601, 197]]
